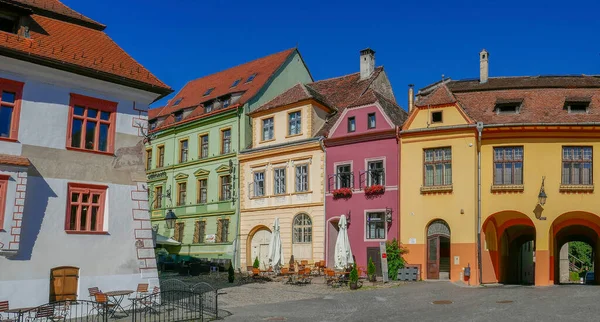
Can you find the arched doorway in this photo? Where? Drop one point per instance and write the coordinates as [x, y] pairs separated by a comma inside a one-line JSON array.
[[509, 244], [573, 228], [259, 247], [438, 250]]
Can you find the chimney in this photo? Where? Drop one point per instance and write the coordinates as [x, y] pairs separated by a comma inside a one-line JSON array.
[[411, 97], [367, 63], [483, 66]]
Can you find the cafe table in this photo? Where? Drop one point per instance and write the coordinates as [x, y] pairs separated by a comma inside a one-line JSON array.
[[117, 298]]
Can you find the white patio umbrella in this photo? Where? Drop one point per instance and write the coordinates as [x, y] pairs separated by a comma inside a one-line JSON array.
[[275, 249], [343, 253]]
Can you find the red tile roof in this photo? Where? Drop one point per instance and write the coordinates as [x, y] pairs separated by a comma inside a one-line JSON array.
[[542, 98], [295, 94], [76, 48], [14, 160], [440, 96], [192, 94], [57, 7]]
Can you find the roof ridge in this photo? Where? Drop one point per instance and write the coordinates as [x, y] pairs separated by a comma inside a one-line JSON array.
[[67, 12]]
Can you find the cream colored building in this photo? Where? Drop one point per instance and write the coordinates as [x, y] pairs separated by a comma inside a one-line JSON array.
[[282, 177]]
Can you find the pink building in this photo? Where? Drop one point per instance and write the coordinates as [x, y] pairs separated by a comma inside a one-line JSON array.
[[362, 164]]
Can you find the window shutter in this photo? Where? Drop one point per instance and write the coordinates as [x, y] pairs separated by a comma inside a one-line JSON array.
[[196, 233], [219, 230]]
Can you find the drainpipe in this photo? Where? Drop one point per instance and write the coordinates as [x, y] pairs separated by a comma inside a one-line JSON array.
[[399, 194], [236, 253], [479, 130], [325, 240]]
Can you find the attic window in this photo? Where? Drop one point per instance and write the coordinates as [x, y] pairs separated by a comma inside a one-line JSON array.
[[208, 107], [178, 101], [507, 108], [178, 116], [436, 117], [236, 82], [8, 23], [575, 105], [152, 124], [226, 102], [208, 91], [251, 78]]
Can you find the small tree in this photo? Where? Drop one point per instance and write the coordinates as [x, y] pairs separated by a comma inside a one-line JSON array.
[[230, 274], [394, 252], [256, 263], [353, 275], [371, 270]]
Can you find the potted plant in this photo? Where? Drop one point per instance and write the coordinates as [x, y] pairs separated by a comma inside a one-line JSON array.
[[255, 266], [375, 189], [342, 193], [371, 271], [353, 278]]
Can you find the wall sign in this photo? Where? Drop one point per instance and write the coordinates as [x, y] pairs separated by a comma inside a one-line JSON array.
[[412, 241], [210, 238]]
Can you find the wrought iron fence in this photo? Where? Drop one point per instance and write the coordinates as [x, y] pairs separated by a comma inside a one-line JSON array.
[[174, 305], [65, 311], [209, 294]]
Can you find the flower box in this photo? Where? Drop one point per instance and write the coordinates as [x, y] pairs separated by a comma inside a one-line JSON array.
[[344, 193], [376, 189]]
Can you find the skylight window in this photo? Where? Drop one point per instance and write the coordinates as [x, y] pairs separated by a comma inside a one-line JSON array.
[[208, 91], [575, 105], [508, 108], [236, 82], [178, 101], [251, 78]]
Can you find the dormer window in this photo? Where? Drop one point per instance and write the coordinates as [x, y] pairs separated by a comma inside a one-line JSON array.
[[208, 107], [436, 117], [251, 78], [152, 124], [208, 91], [236, 82], [508, 106], [178, 116], [9, 23], [577, 105], [226, 102], [178, 101]]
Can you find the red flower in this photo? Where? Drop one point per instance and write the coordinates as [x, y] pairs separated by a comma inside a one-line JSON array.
[[374, 190], [342, 193]]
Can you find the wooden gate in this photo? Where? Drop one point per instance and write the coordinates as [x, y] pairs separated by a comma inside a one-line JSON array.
[[64, 283]]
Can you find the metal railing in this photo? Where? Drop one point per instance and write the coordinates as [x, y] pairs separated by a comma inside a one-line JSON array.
[[176, 305], [79, 310], [341, 180], [209, 294]]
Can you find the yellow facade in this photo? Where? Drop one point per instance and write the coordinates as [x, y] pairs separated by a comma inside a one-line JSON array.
[[511, 214], [285, 153]]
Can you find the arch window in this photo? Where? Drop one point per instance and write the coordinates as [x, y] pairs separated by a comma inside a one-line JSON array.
[[302, 229]]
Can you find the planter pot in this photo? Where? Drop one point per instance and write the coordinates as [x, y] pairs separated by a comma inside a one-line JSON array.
[[353, 285]]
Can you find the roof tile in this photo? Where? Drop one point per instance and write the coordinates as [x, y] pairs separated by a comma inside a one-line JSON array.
[[14, 160]]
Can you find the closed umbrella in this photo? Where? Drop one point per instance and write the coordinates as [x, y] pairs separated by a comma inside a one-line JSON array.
[[275, 249], [343, 253]]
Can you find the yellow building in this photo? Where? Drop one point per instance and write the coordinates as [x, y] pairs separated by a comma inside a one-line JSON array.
[[533, 139], [282, 176]]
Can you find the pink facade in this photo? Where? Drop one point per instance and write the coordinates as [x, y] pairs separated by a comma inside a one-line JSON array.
[[371, 156]]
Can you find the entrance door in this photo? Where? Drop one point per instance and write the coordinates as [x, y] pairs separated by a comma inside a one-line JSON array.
[[260, 248], [375, 254], [64, 283], [433, 257]]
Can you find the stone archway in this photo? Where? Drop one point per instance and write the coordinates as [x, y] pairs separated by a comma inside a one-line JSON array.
[[257, 246]]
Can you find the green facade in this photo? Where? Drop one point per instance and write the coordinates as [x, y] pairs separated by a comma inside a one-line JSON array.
[[211, 168]]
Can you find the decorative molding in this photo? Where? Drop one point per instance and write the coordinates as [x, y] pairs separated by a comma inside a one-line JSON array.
[[507, 187], [181, 176], [433, 189], [576, 188], [201, 173], [223, 169]]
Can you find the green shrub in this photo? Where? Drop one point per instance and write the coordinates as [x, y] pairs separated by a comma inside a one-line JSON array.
[[395, 261], [256, 263], [354, 275], [574, 276], [371, 269], [230, 274]]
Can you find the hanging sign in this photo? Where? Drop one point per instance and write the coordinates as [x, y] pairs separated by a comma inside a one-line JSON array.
[[384, 263]]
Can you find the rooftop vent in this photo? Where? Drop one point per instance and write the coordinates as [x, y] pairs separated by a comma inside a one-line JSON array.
[[251, 78]]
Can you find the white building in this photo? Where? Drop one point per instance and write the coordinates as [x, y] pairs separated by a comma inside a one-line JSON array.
[[73, 200]]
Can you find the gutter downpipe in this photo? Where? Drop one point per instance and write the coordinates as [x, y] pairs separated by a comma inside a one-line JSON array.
[[479, 273], [321, 142], [236, 253]]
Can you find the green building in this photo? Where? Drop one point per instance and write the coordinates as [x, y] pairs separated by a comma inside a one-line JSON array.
[[191, 156]]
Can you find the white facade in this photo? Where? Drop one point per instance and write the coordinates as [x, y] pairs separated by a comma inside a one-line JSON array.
[[118, 260]]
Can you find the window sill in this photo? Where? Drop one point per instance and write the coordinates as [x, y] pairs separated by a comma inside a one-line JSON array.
[[90, 151], [508, 187], [259, 197], [432, 189], [8, 139], [266, 141], [301, 192], [293, 135], [79, 232], [576, 188]]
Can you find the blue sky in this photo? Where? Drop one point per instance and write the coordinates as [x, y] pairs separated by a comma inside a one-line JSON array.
[[416, 41]]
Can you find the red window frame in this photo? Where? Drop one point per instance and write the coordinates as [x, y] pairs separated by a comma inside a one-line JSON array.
[[17, 88], [3, 195], [86, 189], [96, 104]]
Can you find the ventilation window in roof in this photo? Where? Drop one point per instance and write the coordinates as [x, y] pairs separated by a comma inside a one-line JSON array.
[[208, 91], [577, 105], [251, 78], [178, 116], [508, 106], [236, 82], [178, 101]]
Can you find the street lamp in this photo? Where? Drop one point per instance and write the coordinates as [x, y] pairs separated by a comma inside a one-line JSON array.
[[170, 219], [542, 195]]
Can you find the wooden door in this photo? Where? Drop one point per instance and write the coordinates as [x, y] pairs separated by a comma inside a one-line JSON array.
[[375, 254], [433, 257], [64, 283], [260, 248]]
